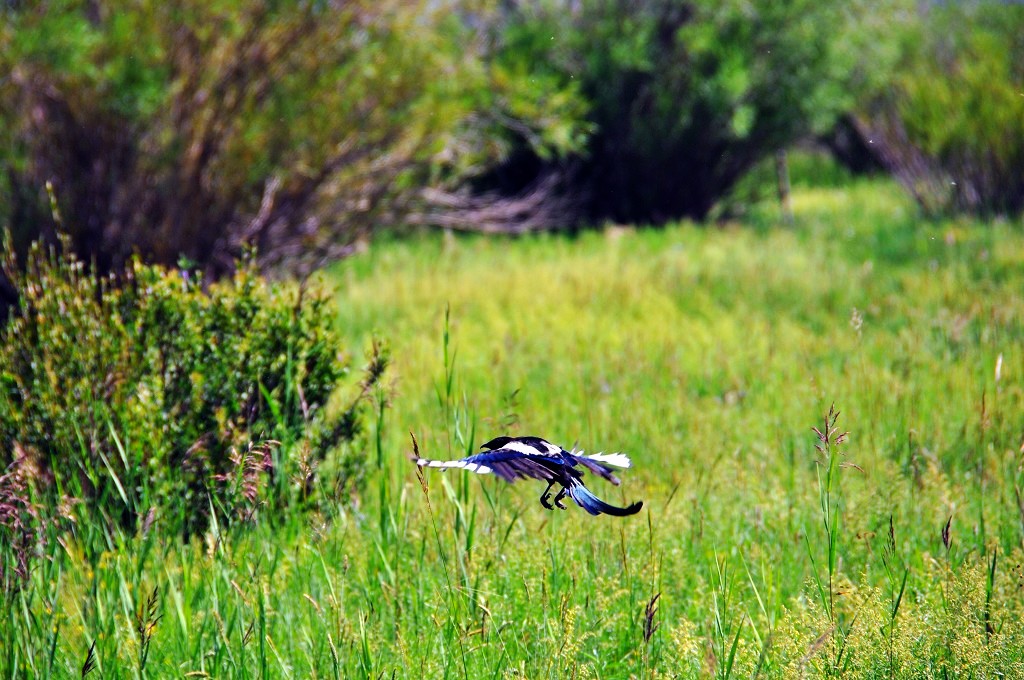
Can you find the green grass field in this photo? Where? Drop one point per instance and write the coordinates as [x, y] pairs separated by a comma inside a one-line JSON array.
[[706, 354]]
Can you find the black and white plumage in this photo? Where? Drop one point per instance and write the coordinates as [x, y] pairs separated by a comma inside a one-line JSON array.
[[513, 458]]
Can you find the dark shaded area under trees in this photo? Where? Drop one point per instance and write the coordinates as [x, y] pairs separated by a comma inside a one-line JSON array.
[[685, 97]]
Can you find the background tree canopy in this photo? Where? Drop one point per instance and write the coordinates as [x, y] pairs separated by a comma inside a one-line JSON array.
[[950, 122], [192, 129], [189, 129], [687, 96]]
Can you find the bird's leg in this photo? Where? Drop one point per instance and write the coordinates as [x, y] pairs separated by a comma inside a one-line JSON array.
[[559, 497], [544, 496]]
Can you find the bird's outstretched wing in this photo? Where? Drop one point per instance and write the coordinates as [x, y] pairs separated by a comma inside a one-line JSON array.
[[602, 463], [594, 505], [508, 463]]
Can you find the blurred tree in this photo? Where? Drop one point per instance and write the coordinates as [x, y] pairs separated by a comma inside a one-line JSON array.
[[687, 95], [850, 148], [191, 128], [950, 124]]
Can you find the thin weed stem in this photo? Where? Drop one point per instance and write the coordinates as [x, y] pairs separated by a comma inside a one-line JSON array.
[[830, 505]]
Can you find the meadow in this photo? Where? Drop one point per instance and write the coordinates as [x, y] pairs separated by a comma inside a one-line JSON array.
[[708, 354]]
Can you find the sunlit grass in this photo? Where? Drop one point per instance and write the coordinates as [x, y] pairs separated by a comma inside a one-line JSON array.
[[707, 354]]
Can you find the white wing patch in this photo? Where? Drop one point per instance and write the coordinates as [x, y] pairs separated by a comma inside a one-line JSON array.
[[619, 460], [459, 464], [527, 450]]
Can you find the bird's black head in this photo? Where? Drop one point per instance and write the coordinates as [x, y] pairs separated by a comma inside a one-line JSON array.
[[496, 443]]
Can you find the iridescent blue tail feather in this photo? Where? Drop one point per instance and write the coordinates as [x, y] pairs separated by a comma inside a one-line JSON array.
[[594, 505]]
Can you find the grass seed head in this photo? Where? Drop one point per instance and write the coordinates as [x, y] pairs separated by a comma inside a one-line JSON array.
[[650, 627]]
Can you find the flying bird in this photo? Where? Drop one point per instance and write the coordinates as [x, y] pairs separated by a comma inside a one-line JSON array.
[[513, 458]]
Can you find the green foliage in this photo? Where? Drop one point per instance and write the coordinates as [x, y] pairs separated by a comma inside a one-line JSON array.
[[687, 96], [196, 128], [951, 124], [145, 392]]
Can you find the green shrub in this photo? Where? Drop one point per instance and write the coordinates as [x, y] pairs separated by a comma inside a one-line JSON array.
[[195, 128], [950, 126], [686, 97], [146, 392]]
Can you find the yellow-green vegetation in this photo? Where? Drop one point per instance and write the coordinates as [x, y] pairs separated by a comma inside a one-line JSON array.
[[707, 354]]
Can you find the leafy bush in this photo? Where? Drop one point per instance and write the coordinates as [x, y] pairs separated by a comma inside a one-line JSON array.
[[950, 126], [687, 96], [148, 390], [195, 128]]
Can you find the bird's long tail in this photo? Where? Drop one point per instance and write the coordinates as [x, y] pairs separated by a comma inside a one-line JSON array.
[[594, 505]]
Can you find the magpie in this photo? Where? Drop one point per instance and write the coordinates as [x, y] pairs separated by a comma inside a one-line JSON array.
[[513, 458]]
